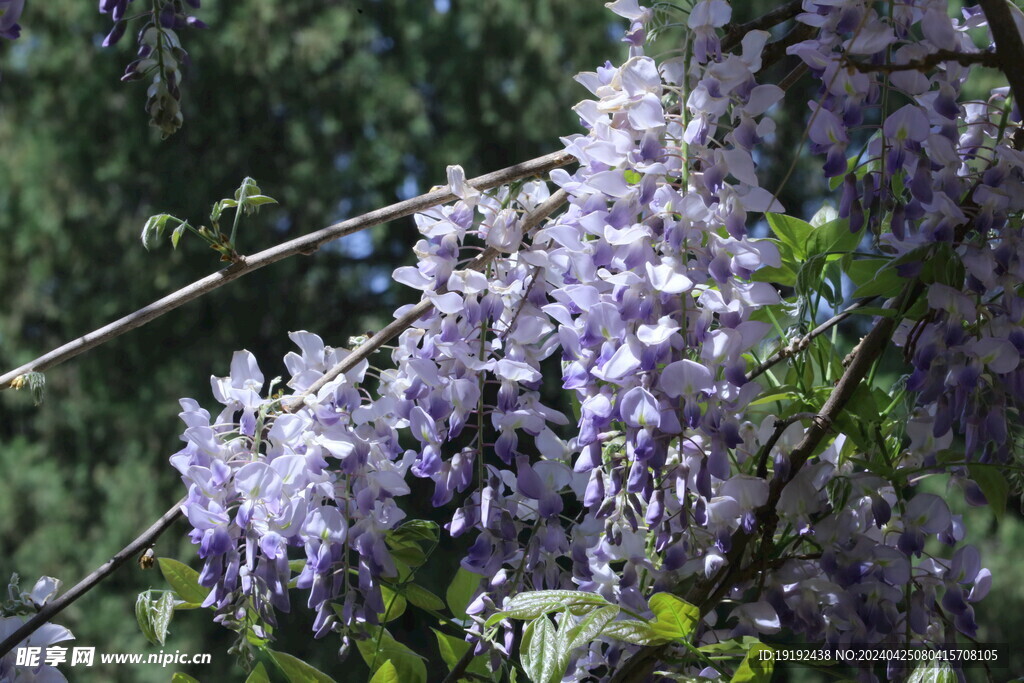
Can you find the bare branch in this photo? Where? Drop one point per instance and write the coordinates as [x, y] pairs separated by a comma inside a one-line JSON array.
[[307, 244], [798, 345], [989, 59], [776, 50], [52, 608], [460, 667], [734, 32]]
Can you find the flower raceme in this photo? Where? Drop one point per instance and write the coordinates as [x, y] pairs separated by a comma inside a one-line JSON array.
[[645, 298]]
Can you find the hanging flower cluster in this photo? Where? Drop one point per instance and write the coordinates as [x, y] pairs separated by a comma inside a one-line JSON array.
[[642, 298], [945, 177], [160, 55]]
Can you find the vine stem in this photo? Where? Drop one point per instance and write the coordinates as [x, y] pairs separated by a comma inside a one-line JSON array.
[[306, 245], [52, 608]]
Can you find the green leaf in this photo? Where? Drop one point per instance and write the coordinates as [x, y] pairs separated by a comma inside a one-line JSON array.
[[792, 232], [184, 580], [633, 631], [154, 615], [412, 542], [787, 392], [394, 604], [179, 677], [387, 673], [410, 555], [258, 675], [675, 618], [784, 276], [153, 230], [421, 597], [994, 485], [833, 237], [756, 667], [460, 591], [886, 282], [219, 207], [247, 188], [632, 177], [176, 235], [409, 665], [259, 200], [590, 627], [930, 672], [535, 603], [543, 654], [452, 650], [861, 271], [733, 646], [297, 671], [808, 279], [415, 531]]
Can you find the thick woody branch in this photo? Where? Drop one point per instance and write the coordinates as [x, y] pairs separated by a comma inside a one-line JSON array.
[[707, 594], [1009, 45], [307, 244], [55, 606]]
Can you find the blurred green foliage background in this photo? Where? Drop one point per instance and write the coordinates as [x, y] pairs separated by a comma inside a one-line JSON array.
[[335, 108]]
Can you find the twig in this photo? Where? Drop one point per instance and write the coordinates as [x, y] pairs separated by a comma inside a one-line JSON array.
[[989, 59], [781, 424], [307, 244], [403, 323], [51, 609], [776, 50], [798, 345], [460, 667], [734, 32]]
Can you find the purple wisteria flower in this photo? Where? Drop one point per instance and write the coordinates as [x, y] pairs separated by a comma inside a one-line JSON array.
[[10, 14]]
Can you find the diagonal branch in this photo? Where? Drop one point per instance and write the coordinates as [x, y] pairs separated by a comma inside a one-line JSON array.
[[52, 608], [307, 244], [798, 345], [707, 594], [734, 32]]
